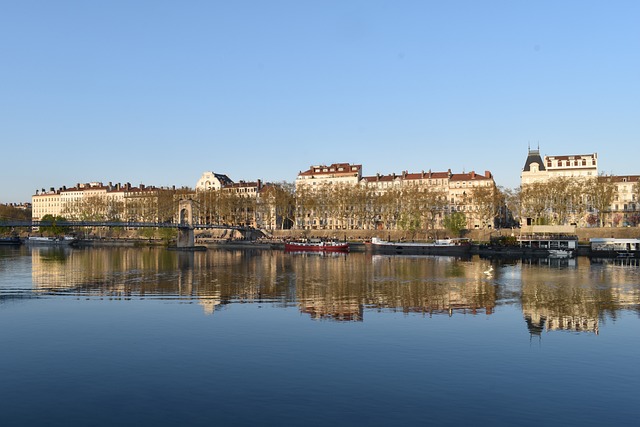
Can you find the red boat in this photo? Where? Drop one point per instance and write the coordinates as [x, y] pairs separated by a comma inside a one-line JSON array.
[[320, 246]]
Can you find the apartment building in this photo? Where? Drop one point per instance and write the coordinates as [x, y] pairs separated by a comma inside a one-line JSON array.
[[625, 208], [98, 202], [337, 196]]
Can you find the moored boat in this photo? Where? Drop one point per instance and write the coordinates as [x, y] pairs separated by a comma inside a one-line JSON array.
[[614, 248], [316, 246], [453, 247], [62, 241], [10, 241]]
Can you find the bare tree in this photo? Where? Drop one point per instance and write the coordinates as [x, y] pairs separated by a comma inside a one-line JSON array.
[[488, 201], [601, 190], [535, 201]]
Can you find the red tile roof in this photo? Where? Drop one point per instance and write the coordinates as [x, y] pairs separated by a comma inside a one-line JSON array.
[[333, 169]]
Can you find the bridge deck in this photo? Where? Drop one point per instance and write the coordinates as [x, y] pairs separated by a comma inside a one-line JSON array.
[[118, 224]]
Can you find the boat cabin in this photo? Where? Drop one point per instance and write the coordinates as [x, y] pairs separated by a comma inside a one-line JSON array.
[[548, 241], [614, 245]]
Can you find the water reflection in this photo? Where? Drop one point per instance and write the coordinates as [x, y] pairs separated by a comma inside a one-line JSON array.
[[576, 297], [555, 294]]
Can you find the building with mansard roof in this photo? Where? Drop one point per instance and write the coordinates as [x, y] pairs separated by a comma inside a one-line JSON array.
[[212, 181], [539, 169]]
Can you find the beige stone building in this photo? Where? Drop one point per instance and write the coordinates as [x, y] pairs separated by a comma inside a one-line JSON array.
[[625, 209], [337, 196], [95, 201]]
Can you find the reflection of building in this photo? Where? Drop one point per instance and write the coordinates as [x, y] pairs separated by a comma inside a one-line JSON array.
[[334, 310], [537, 323]]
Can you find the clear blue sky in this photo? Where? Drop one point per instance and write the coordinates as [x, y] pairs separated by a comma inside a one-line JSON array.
[[157, 92]]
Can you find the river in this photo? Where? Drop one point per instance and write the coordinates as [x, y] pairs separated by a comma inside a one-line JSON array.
[[147, 336]]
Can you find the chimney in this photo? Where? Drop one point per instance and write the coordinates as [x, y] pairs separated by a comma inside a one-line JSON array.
[[259, 184], [487, 174], [473, 174], [141, 186]]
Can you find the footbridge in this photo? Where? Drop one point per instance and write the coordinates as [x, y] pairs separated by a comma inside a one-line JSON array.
[[185, 224]]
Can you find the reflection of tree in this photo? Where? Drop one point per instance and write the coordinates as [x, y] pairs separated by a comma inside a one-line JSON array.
[[337, 287]]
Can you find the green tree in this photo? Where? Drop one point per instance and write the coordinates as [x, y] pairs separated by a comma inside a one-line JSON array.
[[49, 224], [167, 234], [456, 223]]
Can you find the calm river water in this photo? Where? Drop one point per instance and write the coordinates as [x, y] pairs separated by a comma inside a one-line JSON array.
[[145, 336]]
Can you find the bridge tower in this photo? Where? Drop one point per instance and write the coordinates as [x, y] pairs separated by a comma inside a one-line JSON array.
[[185, 224]]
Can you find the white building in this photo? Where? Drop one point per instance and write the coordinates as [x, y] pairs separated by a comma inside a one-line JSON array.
[[538, 169], [212, 181]]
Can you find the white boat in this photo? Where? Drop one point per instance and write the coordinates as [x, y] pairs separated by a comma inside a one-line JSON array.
[[615, 248], [319, 246], [62, 241], [458, 247]]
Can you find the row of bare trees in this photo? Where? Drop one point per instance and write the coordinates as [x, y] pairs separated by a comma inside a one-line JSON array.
[[272, 208], [564, 200], [411, 208], [159, 205]]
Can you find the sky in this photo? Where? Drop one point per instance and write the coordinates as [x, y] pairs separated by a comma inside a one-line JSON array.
[[158, 92]]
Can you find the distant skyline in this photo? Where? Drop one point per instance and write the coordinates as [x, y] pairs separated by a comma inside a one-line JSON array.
[[157, 92]]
